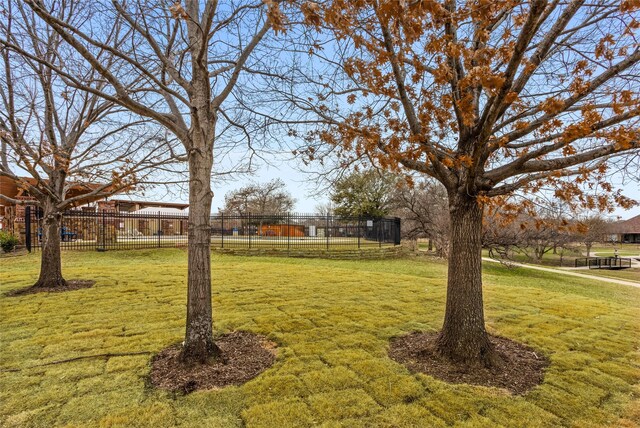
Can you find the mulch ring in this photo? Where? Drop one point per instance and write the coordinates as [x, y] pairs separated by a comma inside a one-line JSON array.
[[522, 370], [72, 284], [244, 356]]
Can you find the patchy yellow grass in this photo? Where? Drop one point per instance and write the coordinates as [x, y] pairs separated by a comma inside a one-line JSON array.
[[332, 321]]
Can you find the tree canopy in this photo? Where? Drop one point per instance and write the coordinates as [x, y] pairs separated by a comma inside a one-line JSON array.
[[259, 198], [364, 194], [490, 99]]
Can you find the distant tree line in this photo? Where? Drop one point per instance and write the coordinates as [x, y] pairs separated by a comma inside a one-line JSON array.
[[423, 207], [259, 198]]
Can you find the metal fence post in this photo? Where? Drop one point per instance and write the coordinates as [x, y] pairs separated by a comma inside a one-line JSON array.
[[104, 235], [288, 231], [359, 231], [159, 228], [222, 228], [327, 232], [27, 227], [249, 228]]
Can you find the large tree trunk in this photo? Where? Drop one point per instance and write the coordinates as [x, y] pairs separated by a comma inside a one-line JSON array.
[[198, 345], [50, 263], [463, 338]]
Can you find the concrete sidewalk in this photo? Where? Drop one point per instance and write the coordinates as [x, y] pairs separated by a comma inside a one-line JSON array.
[[570, 273]]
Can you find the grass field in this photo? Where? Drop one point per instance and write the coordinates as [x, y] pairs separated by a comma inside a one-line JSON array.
[[549, 259], [623, 250], [632, 274], [332, 321], [235, 242]]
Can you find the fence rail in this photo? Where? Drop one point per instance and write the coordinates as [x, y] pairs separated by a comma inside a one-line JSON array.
[[102, 231], [604, 262]]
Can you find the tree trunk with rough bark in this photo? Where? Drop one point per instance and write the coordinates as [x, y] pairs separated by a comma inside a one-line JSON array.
[[50, 262], [199, 346], [463, 338]]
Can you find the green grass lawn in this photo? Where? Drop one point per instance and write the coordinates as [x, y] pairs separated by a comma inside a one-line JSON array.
[[548, 259], [608, 250], [631, 274], [332, 321]]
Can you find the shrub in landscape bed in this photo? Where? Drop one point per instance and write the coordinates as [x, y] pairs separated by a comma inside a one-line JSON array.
[[8, 242]]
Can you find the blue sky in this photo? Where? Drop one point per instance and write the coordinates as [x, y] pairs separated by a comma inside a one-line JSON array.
[[304, 188]]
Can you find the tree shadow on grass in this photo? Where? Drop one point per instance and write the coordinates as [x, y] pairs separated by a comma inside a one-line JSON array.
[[73, 284]]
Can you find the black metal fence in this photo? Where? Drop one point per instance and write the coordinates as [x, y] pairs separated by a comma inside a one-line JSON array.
[[604, 262], [83, 230]]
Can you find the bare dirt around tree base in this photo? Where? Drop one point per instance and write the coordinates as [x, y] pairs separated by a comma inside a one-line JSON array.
[[244, 356], [72, 284], [522, 370], [14, 253]]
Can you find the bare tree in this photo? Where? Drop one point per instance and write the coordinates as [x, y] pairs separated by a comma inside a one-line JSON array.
[[260, 198], [541, 235], [423, 208], [501, 232], [325, 209], [61, 137], [590, 230], [548, 227], [269, 202], [177, 65]]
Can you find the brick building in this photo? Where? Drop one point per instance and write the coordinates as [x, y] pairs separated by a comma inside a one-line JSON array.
[[12, 215]]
